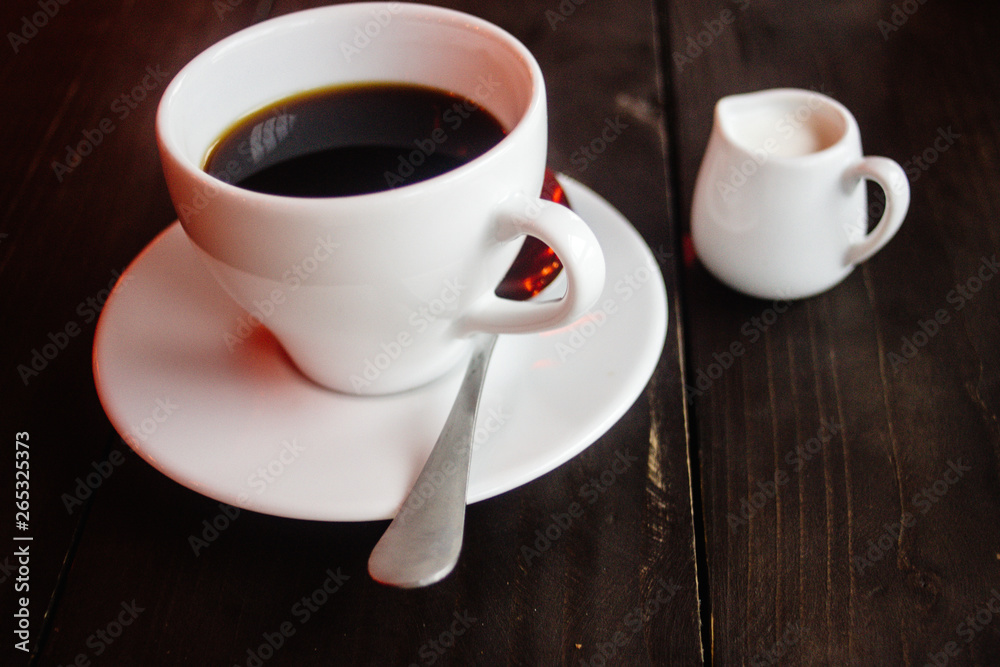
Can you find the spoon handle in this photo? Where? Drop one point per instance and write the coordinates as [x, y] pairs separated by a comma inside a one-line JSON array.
[[422, 543]]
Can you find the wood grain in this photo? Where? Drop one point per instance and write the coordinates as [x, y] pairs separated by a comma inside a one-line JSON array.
[[819, 569], [622, 579], [65, 236]]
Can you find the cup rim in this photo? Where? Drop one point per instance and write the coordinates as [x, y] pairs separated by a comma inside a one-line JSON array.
[[168, 142]]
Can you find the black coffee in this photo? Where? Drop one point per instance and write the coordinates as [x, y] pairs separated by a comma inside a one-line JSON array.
[[351, 140]]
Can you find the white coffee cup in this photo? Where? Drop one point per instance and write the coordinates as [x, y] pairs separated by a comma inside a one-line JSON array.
[[779, 208], [376, 293]]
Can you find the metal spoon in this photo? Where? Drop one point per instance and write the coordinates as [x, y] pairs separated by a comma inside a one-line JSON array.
[[422, 544]]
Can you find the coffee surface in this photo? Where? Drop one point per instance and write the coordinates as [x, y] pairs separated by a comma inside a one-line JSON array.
[[352, 140]]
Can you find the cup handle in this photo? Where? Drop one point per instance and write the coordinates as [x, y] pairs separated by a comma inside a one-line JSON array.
[[892, 179], [576, 247]]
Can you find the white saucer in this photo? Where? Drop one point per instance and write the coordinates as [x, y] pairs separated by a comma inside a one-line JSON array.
[[244, 427]]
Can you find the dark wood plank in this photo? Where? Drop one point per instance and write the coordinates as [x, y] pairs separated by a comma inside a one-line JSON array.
[[65, 236], [632, 551], [816, 570]]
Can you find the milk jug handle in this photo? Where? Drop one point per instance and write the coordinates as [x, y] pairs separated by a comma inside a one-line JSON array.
[[892, 179]]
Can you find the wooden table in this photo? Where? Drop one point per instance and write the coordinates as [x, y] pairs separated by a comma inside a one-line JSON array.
[[830, 496]]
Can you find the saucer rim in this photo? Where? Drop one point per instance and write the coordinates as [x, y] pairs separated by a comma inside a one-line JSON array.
[[486, 486]]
